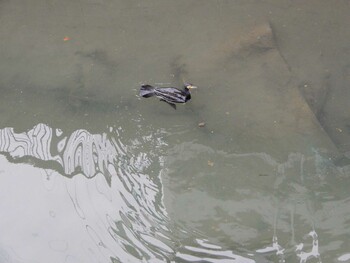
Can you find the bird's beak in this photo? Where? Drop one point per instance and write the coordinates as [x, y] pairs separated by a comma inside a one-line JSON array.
[[191, 87]]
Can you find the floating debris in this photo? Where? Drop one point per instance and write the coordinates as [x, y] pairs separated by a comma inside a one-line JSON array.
[[339, 130]]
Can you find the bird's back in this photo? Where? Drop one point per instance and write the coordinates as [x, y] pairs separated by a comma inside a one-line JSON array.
[[171, 94]]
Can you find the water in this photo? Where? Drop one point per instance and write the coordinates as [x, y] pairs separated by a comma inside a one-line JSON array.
[[90, 172]]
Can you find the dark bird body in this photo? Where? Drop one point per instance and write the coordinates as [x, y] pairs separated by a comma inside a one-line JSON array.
[[169, 95]]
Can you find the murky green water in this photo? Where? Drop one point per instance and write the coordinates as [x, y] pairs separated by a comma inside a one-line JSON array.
[[91, 172]]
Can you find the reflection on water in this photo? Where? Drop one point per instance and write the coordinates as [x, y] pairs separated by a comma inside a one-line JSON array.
[[117, 205], [123, 218], [103, 204], [277, 209]]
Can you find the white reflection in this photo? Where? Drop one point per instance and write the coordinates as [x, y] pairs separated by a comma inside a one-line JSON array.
[[304, 256], [114, 205], [223, 255], [80, 152], [103, 207], [344, 257]]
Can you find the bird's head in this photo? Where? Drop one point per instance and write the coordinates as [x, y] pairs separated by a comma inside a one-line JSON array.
[[190, 86]]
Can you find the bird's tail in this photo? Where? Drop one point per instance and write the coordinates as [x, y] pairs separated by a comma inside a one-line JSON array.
[[146, 91]]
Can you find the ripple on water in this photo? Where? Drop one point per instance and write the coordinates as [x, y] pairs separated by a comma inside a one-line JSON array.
[[113, 199]]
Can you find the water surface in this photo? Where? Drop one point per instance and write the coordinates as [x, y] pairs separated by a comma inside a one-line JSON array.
[[90, 172]]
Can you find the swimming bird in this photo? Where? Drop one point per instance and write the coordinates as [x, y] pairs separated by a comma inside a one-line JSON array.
[[169, 95]]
